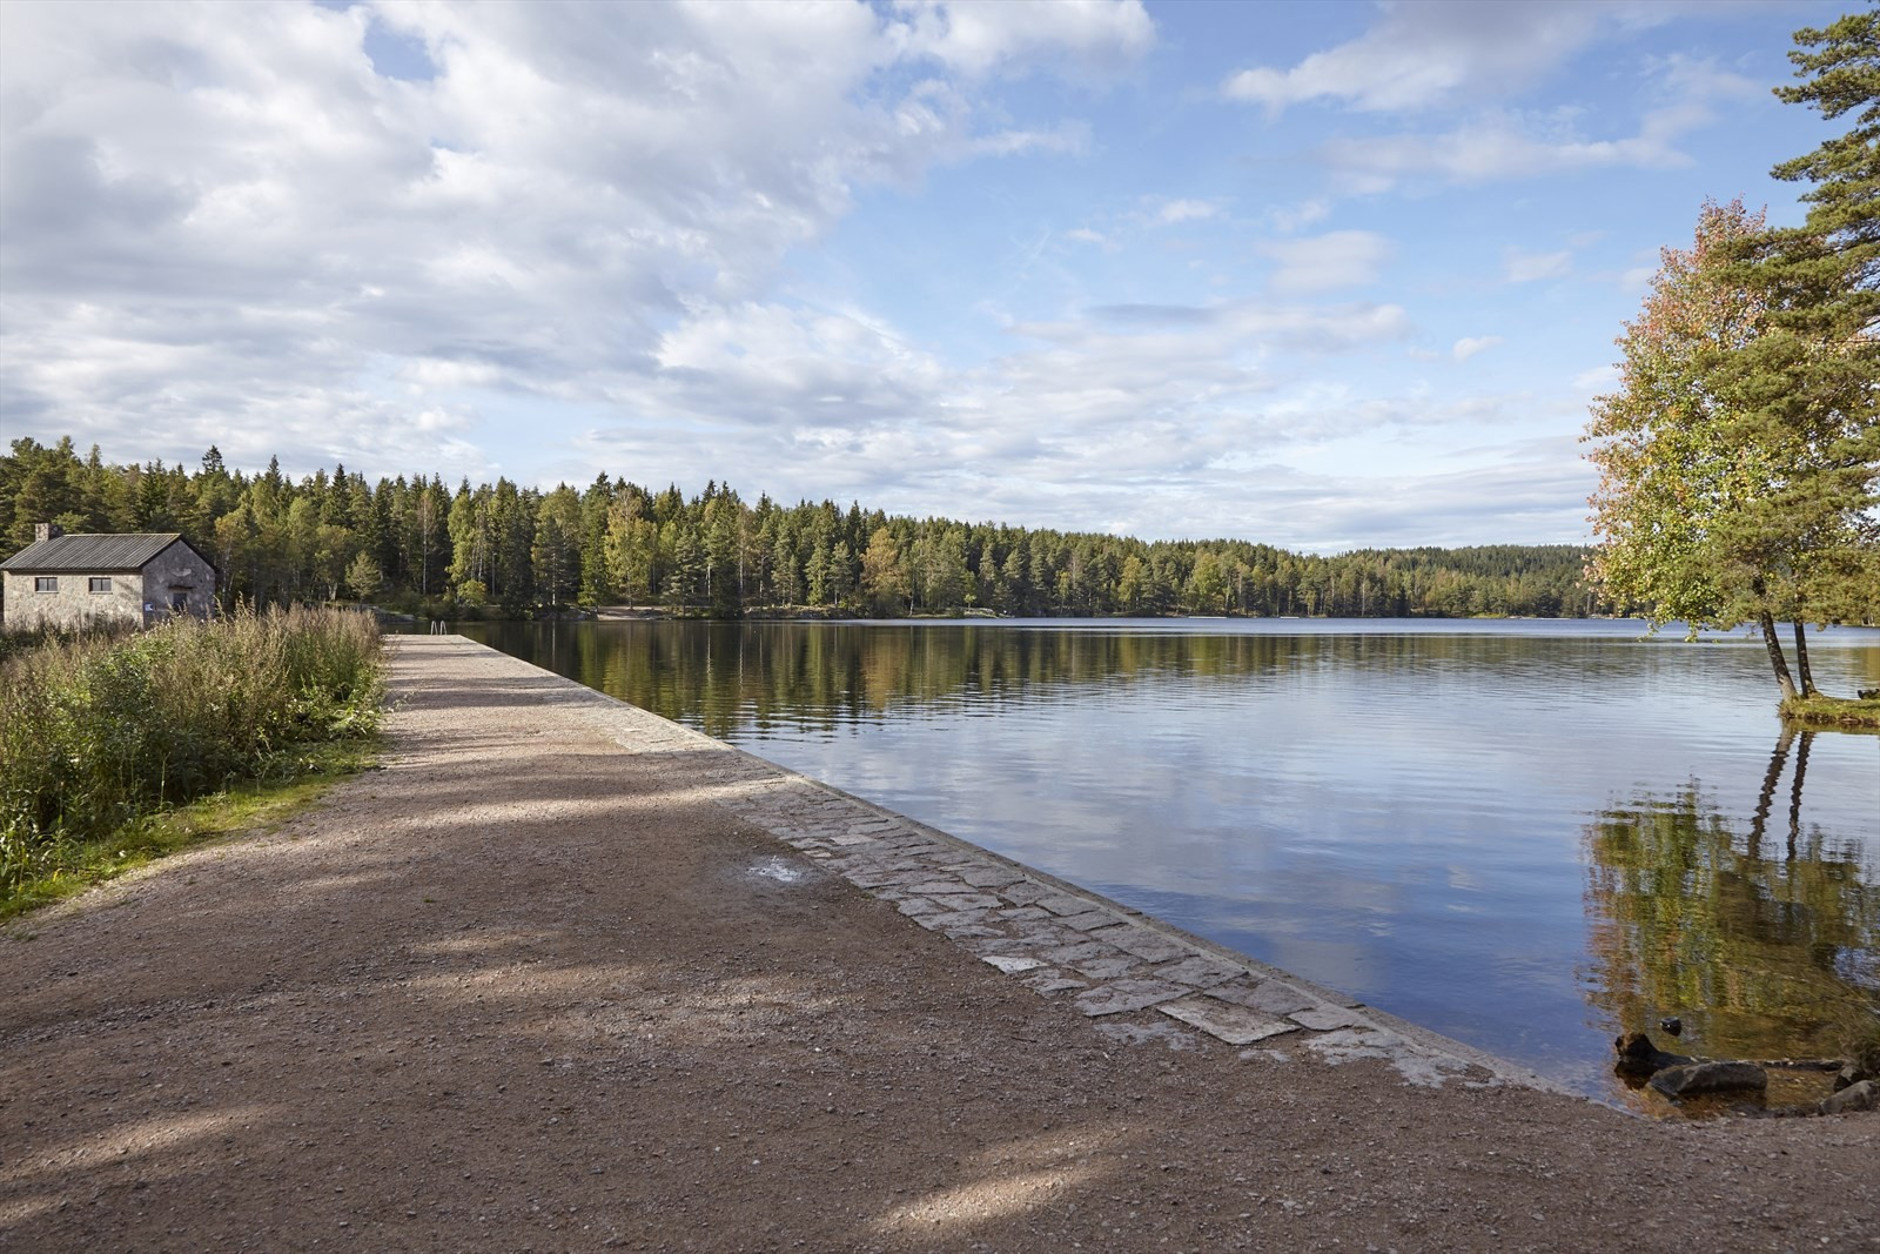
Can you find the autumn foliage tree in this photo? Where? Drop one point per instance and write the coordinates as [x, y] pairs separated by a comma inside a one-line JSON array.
[[1739, 456]]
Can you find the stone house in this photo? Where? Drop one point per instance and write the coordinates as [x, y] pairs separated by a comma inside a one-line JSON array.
[[69, 581]]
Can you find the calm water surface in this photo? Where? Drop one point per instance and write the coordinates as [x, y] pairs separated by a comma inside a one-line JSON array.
[[1529, 836]]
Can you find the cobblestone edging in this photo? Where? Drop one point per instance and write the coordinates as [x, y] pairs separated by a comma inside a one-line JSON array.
[[1141, 979]]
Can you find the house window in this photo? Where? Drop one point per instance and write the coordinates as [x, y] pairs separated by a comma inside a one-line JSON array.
[[45, 583], [101, 583], [179, 599]]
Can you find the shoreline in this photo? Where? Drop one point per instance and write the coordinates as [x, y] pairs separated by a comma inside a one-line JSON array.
[[1007, 913], [529, 986]]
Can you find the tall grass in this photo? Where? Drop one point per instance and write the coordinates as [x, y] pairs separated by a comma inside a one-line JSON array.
[[96, 733]]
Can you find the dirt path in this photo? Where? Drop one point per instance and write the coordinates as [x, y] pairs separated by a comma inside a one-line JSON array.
[[527, 988]]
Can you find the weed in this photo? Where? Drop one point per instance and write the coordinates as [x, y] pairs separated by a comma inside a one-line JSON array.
[[98, 734]]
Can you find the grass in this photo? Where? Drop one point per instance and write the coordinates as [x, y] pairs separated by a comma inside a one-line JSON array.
[[101, 737], [1818, 710], [248, 805]]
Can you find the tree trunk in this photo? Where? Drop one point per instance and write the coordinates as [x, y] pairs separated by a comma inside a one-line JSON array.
[[1801, 659], [1779, 663]]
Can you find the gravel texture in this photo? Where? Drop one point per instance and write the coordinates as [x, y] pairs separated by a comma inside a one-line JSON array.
[[543, 983]]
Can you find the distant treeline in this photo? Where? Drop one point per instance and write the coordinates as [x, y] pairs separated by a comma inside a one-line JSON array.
[[515, 551]]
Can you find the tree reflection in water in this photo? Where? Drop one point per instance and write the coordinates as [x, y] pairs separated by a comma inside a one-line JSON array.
[[1765, 947]]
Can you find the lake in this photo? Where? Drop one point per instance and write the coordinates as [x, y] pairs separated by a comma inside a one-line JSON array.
[[1530, 836]]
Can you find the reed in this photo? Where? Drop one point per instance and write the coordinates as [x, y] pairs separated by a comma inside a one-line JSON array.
[[97, 733]]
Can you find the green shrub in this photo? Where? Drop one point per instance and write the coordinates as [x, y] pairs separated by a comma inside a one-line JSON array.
[[96, 732]]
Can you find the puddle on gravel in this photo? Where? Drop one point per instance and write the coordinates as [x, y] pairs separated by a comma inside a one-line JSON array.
[[781, 870]]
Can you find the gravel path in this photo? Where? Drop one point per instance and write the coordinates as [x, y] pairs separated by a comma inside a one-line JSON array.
[[548, 981]]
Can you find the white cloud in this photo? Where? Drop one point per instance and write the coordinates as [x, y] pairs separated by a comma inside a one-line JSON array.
[[1598, 379], [1323, 262], [1469, 345], [1290, 218], [1068, 138], [1110, 407], [1505, 144], [222, 217], [1084, 235], [1525, 267], [1089, 37], [1423, 54], [1174, 211], [1500, 147]]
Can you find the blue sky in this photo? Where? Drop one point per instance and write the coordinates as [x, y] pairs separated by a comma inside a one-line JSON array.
[[1321, 275]]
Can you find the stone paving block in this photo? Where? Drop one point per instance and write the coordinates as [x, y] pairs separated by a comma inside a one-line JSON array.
[[1045, 935], [1082, 951], [1147, 945], [1022, 914], [1049, 982], [1107, 968], [973, 931], [1237, 1025], [903, 872], [1025, 892], [1124, 995], [1324, 1018], [1091, 920], [997, 943], [931, 887], [1200, 971], [1012, 964], [966, 901], [981, 875], [1063, 903], [1269, 996], [850, 838], [918, 906], [953, 918], [873, 878]]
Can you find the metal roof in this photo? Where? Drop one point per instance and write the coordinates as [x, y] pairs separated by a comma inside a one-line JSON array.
[[93, 552]]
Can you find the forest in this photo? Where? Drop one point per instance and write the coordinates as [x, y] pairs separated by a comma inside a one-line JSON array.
[[504, 550]]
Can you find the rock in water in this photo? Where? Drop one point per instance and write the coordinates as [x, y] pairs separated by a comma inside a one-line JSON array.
[[1639, 1057], [1694, 1078]]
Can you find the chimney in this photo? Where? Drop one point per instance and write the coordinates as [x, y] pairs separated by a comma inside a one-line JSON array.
[[47, 531]]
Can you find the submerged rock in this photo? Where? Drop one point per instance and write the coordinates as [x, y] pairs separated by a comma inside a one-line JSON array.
[[1639, 1057], [1692, 1078]]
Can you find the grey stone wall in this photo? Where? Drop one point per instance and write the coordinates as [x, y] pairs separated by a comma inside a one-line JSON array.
[[177, 569], [73, 605], [136, 598]]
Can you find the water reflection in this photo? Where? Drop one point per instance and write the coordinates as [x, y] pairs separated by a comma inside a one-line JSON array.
[[729, 678], [1764, 946]]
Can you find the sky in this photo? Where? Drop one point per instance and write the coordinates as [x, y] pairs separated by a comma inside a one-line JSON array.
[[1322, 275]]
